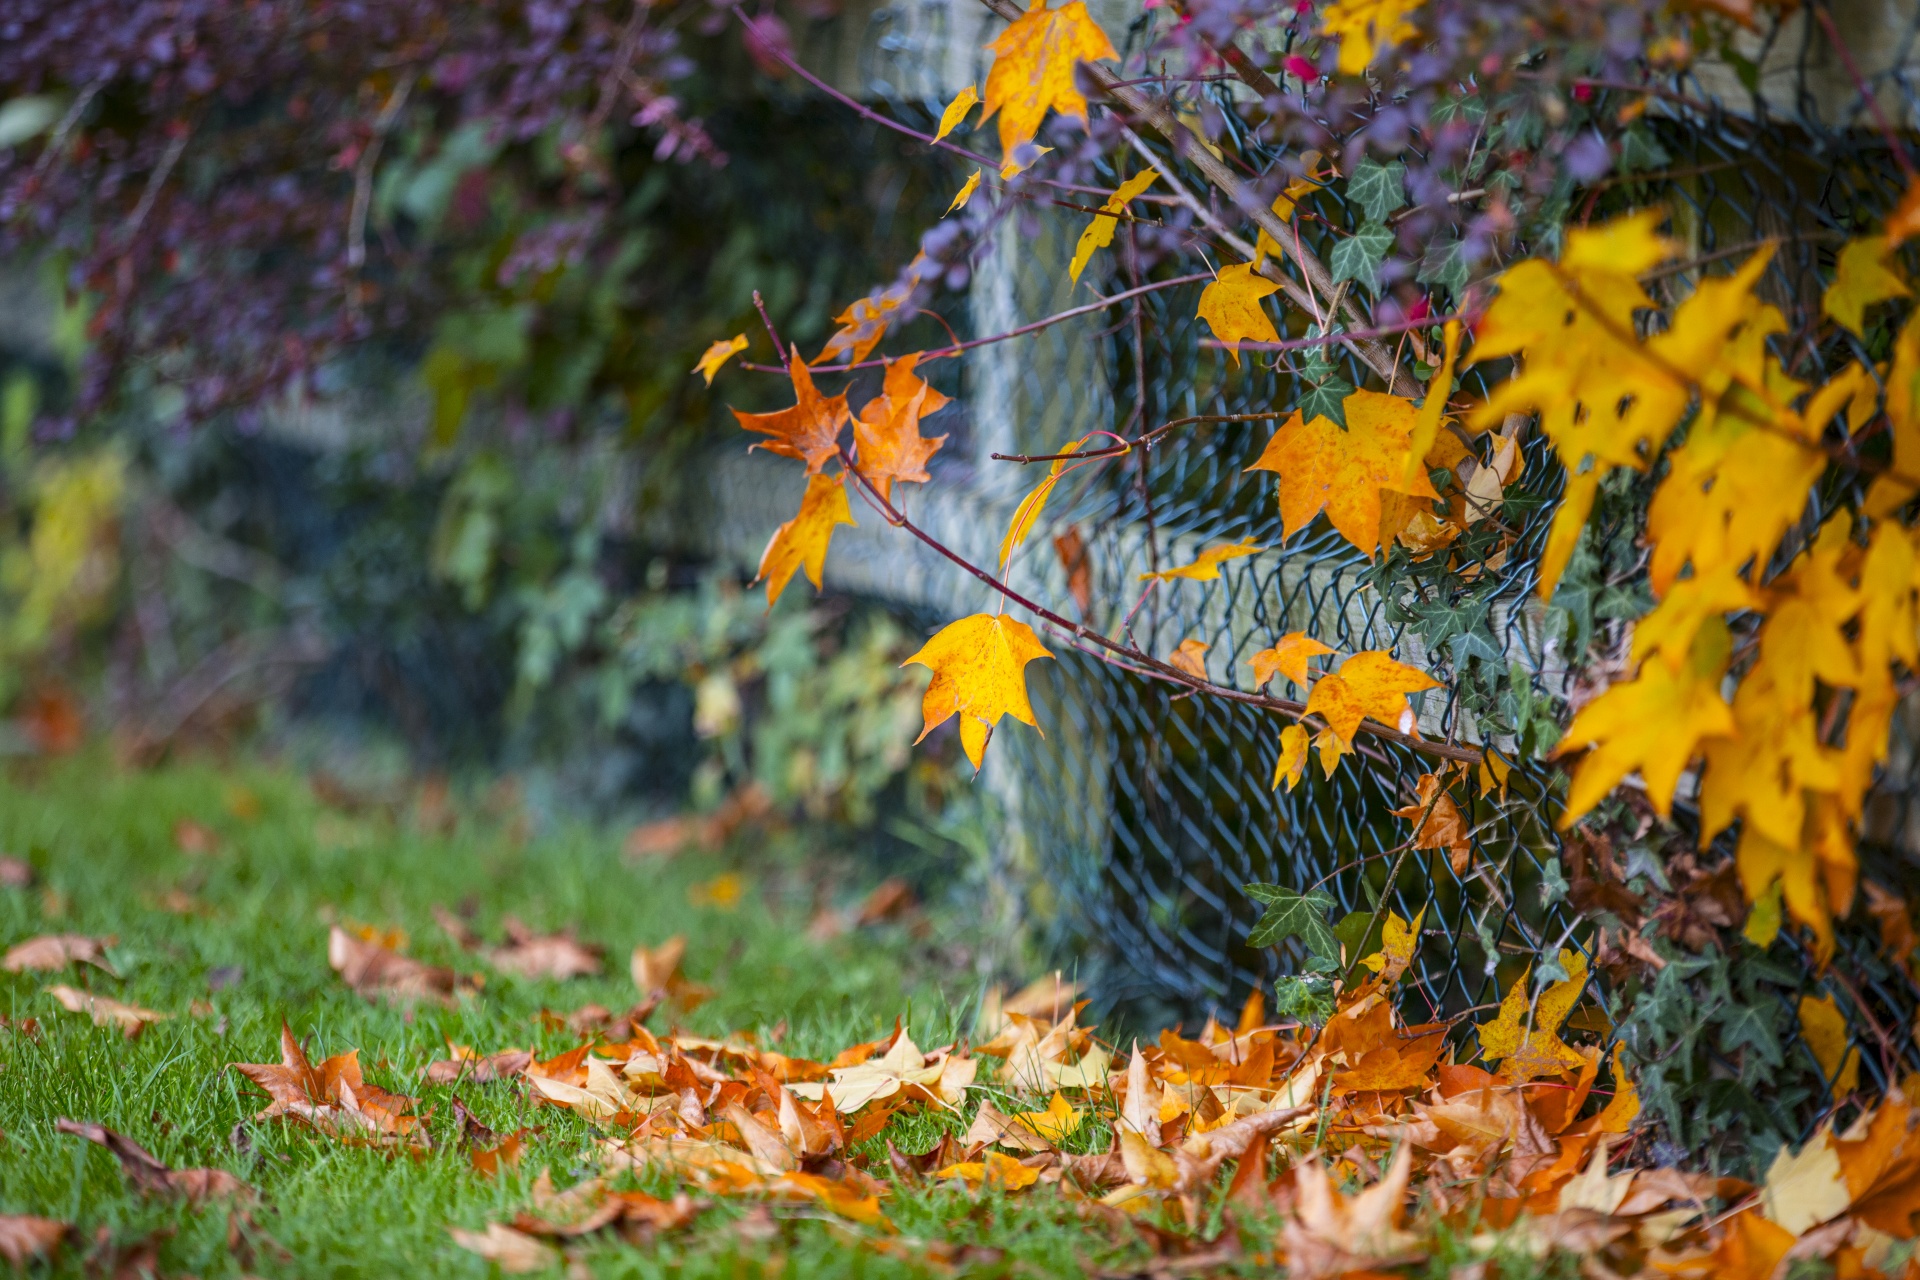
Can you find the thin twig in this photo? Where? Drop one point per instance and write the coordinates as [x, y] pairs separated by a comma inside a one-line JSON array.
[[363, 171], [155, 181], [767, 320]]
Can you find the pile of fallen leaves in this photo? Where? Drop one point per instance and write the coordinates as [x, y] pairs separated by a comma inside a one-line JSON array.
[[1361, 1145]]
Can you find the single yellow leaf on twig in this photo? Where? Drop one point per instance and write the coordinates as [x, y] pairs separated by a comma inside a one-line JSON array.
[[1022, 160], [1033, 62], [718, 354], [979, 674], [1099, 232], [802, 541], [963, 102], [1190, 657], [1206, 566], [1030, 506], [1288, 657], [1293, 757], [1368, 686], [1861, 278], [1231, 306], [967, 189]]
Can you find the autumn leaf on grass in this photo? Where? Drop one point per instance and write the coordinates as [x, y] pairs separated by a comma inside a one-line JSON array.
[[801, 543], [1365, 27], [656, 974], [718, 354], [1290, 914], [1030, 506], [1527, 1038], [1099, 232], [1056, 1124], [993, 1171], [965, 193], [196, 1186], [1825, 1030], [1330, 1234], [332, 1098], [1190, 657], [1231, 305], [530, 955], [979, 673], [1322, 467], [1368, 686], [24, 1237], [51, 952], [810, 430], [902, 1069], [106, 1012], [1033, 63], [375, 972], [1206, 566], [1655, 723], [1439, 823], [1288, 657], [886, 436], [1861, 279], [963, 102], [514, 1252], [476, 1068]]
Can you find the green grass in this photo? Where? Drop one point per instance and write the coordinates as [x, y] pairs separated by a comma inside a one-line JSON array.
[[102, 842]]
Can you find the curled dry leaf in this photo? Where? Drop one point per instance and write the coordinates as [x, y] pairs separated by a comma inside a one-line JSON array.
[[656, 973], [105, 1012], [332, 1098], [52, 952], [1439, 824], [376, 972], [196, 1186]]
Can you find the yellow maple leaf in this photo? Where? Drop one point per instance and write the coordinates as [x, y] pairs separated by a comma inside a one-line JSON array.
[[1033, 62], [1030, 506], [979, 674], [1231, 305], [1289, 657], [1861, 278], [886, 435], [1190, 657], [1056, 1123], [1655, 723], [1398, 941], [1265, 246], [963, 102], [1368, 686], [810, 430], [1365, 27], [1825, 1029], [965, 194], [1531, 1046], [1322, 467], [1206, 566], [802, 541], [1099, 232], [1621, 1109], [718, 354], [1293, 757], [992, 1170]]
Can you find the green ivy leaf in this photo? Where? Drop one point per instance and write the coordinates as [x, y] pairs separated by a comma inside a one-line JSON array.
[[1749, 1024], [1358, 257], [1640, 150], [1327, 400], [1446, 265], [1378, 188], [1293, 915]]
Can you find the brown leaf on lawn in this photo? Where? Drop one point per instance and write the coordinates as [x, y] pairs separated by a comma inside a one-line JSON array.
[[589, 1206], [28, 1027], [526, 953], [488, 1161], [514, 1252], [24, 1237], [656, 972], [1330, 1234], [194, 839], [374, 972], [51, 952], [16, 873], [105, 1012], [465, 1064], [197, 1186], [332, 1098]]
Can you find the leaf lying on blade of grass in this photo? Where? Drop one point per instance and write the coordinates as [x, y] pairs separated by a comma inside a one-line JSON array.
[[376, 972], [902, 1069], [465, 1064], [105, 1012], [197, 1186], [53, 952]]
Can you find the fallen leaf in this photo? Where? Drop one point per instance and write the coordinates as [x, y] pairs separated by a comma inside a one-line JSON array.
[[1825, 1030], [514, 1252], [1526, 1035], [1033, 67], [718, 354], [1206, 566], [810, 430], [194, 839], [478, 1068], [802, 541], [16, 873], [1059, 1121], [24, 1237], [1190, 657], [332, 1098], [994, 1172], [1330, 1234], [375, 972], [130, 1018], [196, 1186], [657, 974], [979, 673], [51, 952], [1231, 307]]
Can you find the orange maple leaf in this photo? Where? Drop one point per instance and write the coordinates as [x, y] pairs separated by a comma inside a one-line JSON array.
[[1441, 825], [810, 430], [979, 673], [1231, 307], [887, 432], [1368, 686], [1322, 467], [802, 541], [1033, 62], [1190, 657], [1288, 657]]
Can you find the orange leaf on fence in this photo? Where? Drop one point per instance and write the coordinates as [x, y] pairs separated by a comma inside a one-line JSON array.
[[1231, 306], [1439, 823], [1033, 62], [1368, 686], [1289, 657], [810, 430], [979, 673], [802, 541], [1322, 467], [886, 435], [1190, 657]]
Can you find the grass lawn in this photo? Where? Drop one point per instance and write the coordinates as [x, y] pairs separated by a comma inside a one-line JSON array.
[[232, 941]]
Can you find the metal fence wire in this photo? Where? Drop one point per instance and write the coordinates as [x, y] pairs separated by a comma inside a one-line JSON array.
[[1146, 810]]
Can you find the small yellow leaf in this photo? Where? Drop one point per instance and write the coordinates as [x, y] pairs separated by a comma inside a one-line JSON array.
[[966, 193], [979, 673], [1099, 232], [1861, 278], [1190, 657], [994, 1170], [1624, 1107], [1293, 757], [1825, 1029], [1288, 657], [1493, 772], [1534, 1048], [1368, 685], [1231, 305], [963, 102], [1056, 1123], [1030, 506], [1206, 566], [1763, 922], [718, 354], [802, 541]]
